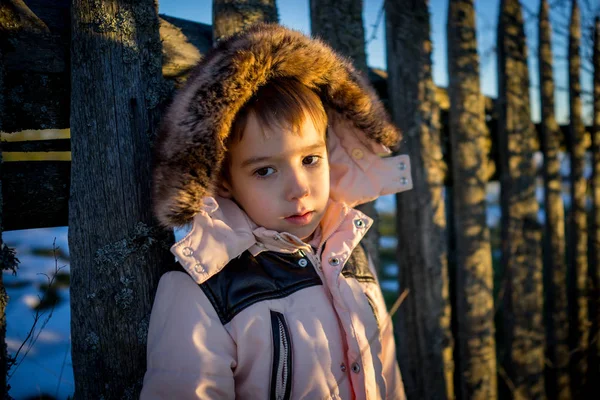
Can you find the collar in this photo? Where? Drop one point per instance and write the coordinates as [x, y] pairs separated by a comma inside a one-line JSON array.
[[221, 231]]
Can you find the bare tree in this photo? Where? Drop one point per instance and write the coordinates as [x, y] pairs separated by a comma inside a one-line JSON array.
[[474, 276], [554, 240], [523, 362], [117, 254], [579, 325], [231, 16], [423, 321]]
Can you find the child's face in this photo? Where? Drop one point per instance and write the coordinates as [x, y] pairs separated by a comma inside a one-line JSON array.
[[280, 178]]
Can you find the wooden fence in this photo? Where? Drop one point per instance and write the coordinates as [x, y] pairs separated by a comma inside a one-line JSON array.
[[35, 95]]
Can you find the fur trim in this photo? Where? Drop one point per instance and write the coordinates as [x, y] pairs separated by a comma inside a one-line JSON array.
[[190, 147]]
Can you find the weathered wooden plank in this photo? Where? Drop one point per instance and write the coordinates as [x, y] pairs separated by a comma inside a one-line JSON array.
[[231, 16], [35, 193], [470, 148], [555, 267], [37, 145], [595, 228], [117, 252], [423, 320], [579, 335], [523, 331]]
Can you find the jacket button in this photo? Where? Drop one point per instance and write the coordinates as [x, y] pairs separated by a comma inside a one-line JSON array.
[[355, 368], [199, 269], [334, 261], [403, 181], [343, 367], [302, 262], [357, 154], [359, 223], [188, 251], [402, 166]]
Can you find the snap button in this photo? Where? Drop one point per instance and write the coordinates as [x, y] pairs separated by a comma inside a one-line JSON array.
[[302, 262], [188, 251], [359, 223], [199, 269], [334, 261], [403, 181], [355, 368], [402, 166], [343, 367], [357, 154]]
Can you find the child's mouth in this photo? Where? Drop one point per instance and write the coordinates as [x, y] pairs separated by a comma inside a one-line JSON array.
[[301, 219]]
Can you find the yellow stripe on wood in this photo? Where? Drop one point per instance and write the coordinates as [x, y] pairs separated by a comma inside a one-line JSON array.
[[35, 134], [37, 156]]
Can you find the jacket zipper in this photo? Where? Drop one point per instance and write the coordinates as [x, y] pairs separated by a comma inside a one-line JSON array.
[[281, 375]]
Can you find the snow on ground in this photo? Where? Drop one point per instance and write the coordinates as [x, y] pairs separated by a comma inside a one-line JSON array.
[[46, 367]]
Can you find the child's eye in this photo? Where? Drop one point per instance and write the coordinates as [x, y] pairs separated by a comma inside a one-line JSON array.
[[264, 172], [311, 160]]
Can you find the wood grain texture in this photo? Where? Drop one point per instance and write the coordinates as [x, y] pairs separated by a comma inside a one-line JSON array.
[[523, 331], [555, 266], [470, 141], [232, 16], [117, 252], [578, 261], [36, 193], [340, 25], [595, 218], [423, 320]]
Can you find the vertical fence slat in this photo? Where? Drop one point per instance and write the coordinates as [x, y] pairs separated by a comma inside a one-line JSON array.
[[231, 16], [578, 304], [523, 330], [340, 24], [555, 268], [423, 320], [474, 276], [117, 251], [595, 239]]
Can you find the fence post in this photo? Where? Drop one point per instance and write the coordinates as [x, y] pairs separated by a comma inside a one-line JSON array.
[[117, 251], [595, 239], [340, 24], [555, 268], [523, 362], [231, 16], [423, 321], [578, 304], [474, 275]]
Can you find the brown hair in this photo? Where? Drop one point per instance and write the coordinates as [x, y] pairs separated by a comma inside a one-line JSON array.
[[281, 102]]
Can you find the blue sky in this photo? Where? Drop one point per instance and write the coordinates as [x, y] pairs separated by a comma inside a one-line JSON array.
[[295, 14]]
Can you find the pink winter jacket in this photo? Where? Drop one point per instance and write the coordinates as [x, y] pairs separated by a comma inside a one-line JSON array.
[[339, 333], [237, 325]]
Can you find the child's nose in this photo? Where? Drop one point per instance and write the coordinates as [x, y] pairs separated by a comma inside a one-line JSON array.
[[297, 186]]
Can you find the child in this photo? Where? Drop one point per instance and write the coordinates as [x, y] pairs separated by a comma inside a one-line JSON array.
[[263, 154]]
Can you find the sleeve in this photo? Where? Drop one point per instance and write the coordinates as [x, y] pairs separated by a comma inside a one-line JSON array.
[[190, 355], [391, 371]]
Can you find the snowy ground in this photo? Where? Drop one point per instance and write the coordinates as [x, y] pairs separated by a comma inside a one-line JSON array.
[[45, 367]]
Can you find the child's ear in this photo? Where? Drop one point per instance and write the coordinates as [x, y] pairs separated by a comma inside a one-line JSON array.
[[224, 190]]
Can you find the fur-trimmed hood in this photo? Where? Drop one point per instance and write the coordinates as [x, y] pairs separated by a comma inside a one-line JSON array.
[[190, 147]]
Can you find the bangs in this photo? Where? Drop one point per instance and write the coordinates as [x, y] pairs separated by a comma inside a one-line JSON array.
[[281, 103]]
